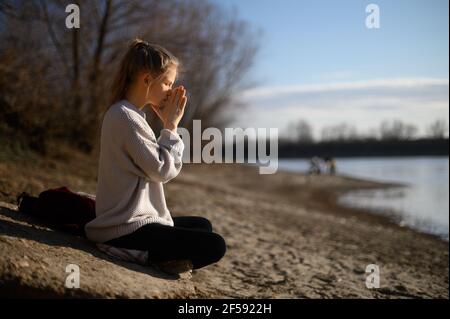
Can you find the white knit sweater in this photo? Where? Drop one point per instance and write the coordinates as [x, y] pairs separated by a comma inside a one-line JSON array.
[[133, 166]]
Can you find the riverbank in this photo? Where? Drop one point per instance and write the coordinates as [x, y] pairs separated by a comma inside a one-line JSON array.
[[286, 235]]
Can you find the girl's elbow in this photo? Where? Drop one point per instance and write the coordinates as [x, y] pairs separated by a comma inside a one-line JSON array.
[[168, 174]]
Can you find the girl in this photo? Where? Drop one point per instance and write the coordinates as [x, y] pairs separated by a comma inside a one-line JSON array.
[[131, 211]]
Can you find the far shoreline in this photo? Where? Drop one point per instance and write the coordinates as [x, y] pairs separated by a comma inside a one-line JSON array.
[[380, 212], [327, 199], [385, 215], [384, 212]]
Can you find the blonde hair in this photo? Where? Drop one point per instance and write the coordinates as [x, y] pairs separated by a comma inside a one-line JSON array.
[[141, 56]]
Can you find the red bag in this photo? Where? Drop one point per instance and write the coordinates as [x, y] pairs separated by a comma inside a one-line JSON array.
[[60, 208]]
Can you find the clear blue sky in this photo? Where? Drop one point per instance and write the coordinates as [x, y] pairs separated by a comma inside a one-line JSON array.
[[319, 62], [306, 41]]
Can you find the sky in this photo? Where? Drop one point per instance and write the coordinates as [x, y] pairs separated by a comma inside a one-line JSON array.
[[320, 63]]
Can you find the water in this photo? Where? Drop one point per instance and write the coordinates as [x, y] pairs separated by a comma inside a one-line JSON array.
[[423, 204]]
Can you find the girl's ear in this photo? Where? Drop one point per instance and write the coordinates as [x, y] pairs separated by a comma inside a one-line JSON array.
[[147, 79]]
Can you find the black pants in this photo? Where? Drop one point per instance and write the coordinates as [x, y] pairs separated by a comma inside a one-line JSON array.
[[191, 237]]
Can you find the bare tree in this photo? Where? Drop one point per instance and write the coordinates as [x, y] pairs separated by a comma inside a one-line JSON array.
[[68, 71], [339, 132], [397, 130], [437, 129], [301, 131]]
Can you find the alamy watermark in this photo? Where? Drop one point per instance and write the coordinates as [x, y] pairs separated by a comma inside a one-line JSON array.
[[373, 19], [73, 18], [373, 279], [257, 140], [73, 279]]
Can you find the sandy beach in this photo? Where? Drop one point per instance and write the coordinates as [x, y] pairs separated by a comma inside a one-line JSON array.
[[285, 233]]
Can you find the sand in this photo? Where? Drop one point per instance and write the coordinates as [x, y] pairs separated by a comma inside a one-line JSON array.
[[288, 238], [286, 235]]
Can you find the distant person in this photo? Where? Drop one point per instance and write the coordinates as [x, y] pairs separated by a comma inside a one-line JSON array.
[[131, 211], [315, 166], [331, 165]]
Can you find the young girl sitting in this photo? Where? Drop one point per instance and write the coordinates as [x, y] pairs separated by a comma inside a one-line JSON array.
[[130, 207]]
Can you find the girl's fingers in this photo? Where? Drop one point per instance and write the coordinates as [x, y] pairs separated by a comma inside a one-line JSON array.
[[173, 96], [183, 104], [180, 98], [179, 94], [177, 97]]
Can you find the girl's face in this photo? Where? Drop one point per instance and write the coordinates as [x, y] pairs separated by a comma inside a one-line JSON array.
[[161, 87]]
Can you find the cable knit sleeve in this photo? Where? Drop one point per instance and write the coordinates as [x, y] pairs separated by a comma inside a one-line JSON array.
[[159, 159]]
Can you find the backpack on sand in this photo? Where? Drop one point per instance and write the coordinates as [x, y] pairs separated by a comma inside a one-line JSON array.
[[60, 208]]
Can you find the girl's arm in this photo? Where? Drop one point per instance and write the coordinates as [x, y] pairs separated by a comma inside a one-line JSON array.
[[159, 159]]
